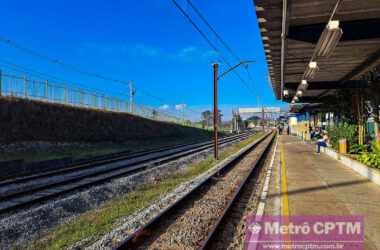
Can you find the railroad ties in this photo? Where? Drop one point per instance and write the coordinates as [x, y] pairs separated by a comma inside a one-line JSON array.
[[22, 192], [206, 216]]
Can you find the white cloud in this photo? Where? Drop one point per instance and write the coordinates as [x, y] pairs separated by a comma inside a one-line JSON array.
[[187, 54], [180, 106], [188, 51], [146, 50], [193, 53], [164, 107], [210, 54]]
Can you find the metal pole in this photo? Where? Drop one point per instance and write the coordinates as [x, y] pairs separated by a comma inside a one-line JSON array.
[[66, 96], [94, 105], [283, 40], [216, 113], [81, 96], [131, 96], [46, 89], [263, 118], [1, 86], [25, 87]]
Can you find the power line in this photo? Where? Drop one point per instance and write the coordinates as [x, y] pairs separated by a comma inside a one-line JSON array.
[[212, 29], [32, 72], [205, 37], [39, 74], [56, 61], [218, 36], [196, 27], [76, 68]]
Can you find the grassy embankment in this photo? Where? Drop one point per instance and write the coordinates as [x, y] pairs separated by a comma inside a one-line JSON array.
[[100, 221], [91, 150], [26, 123]]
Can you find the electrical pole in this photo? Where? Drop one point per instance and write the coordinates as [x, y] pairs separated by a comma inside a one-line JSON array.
[[1, 77], [183, 113], [216, 112], [234, 121], [132, 93], [263, 117]]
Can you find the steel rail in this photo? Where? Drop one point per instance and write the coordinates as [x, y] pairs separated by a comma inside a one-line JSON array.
[[161, 159], [212, 235], [137, 238], [46, 192], [100, 160]]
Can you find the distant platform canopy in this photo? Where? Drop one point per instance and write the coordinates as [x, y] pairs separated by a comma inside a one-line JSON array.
[[260, 110], [327, 45]]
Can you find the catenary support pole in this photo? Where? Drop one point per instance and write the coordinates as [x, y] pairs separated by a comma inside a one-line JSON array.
[[131, 96], [1, 78], [216, 112], [263, 117]]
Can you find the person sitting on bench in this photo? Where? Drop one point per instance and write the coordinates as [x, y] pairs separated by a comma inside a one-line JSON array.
[[322, 142]]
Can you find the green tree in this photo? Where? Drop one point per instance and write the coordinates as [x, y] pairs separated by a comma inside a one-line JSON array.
[[154, 114], [220, 115], [206, 119]]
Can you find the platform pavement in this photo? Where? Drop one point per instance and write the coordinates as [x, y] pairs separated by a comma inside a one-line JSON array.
[[319, 185]]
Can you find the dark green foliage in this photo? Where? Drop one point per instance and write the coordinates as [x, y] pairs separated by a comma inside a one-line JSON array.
[[342, 131], [25, 120], [371, 158], [358, 149]]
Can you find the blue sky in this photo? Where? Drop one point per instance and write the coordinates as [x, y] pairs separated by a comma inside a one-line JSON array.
[[147, 41]]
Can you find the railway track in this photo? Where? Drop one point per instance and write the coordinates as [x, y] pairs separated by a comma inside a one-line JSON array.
[[192, 221], [230, 231], [25, 191]]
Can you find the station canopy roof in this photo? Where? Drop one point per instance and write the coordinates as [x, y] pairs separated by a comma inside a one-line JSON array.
[[357, 53]]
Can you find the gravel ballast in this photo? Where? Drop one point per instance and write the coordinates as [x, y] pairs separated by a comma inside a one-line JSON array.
[[22, 227], [190, 225]]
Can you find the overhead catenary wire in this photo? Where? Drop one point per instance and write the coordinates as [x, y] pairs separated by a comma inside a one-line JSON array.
[[77, 69], [201, 16], [219, 37], [32, 72], [205, 37], [24, 70]]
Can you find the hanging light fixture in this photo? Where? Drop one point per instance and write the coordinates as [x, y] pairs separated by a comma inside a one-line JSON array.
[[311, 70], [303, 86], [329, 39], [286, 92], [299, 93]]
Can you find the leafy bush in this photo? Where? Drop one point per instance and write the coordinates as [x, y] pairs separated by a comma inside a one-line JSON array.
[[372, 158], [342, 130], [358, 149]]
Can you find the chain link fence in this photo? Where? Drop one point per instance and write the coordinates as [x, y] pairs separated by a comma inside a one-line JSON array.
[[43, 90]]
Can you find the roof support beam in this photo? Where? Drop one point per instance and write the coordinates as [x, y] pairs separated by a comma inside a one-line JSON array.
[[352, 31], [305, 99], [371, 61], [284, 32], [353, 84]]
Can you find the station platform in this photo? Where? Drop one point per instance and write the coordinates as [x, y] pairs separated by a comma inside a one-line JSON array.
[[305, 183]]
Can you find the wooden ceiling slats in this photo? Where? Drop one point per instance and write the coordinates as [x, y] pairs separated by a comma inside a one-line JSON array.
[[349, 57]]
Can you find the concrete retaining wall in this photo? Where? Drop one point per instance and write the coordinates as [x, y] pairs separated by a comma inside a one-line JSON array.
[[367, 172]]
